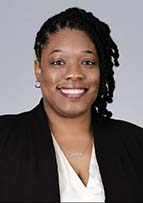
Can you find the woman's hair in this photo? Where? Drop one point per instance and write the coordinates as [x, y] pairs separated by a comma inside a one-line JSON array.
[[99, 34]]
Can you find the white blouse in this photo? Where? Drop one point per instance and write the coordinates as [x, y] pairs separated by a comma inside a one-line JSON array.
[[72, 188]]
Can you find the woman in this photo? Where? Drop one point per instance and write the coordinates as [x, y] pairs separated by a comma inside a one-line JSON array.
[[68, 149]]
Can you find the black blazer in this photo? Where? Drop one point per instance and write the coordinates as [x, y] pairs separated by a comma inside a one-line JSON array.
[[28, 168]]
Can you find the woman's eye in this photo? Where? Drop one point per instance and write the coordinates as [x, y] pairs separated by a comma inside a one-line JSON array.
[[58, 62], [88, 62]]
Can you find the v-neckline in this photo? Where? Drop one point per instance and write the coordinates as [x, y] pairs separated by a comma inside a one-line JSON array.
[[75, 175]]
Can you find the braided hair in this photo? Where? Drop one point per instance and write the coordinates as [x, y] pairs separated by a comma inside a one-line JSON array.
[[99, 34]]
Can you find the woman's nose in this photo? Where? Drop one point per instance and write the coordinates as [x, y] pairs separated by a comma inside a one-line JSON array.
[[74, 72]]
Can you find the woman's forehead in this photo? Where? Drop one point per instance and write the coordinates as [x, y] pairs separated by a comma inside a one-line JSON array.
[[71, 38]]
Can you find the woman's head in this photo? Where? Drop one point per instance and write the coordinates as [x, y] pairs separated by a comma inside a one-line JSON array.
[[99, 34]]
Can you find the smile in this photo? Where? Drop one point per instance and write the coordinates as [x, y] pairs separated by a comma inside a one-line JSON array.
[[73, 93]]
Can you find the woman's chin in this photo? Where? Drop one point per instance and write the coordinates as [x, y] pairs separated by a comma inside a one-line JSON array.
[[74, 113]]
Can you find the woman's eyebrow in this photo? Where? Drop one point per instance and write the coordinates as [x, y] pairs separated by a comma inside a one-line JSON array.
[[89, 52], [55, 50]]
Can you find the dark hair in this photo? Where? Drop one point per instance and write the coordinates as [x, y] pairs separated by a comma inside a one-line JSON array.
[[99, 33]]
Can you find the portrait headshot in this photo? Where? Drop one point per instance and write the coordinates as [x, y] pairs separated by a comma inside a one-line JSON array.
[[71, 124]]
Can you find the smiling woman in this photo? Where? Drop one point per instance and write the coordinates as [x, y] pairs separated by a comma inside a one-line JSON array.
[[69, 74], [68, 149]]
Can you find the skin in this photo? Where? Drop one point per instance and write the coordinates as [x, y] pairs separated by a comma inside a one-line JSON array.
[[69, 62]]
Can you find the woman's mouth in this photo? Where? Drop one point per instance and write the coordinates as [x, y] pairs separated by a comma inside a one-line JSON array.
[[73, 93]]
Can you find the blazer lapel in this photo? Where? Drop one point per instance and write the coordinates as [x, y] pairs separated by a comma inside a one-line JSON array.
[[118, 186], [47, 159]]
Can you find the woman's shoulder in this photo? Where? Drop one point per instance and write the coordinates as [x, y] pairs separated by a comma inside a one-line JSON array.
[[20, 124], [120, 125], [11, 120], [120, 131], [9, 127], [21, 120], [122, 137], [15, 134], [14, 126], [123, 132]]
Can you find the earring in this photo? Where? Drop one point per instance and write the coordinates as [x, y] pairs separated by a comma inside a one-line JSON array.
[[37, 84]]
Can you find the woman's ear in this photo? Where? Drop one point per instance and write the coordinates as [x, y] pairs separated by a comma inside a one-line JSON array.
[[37, 68]]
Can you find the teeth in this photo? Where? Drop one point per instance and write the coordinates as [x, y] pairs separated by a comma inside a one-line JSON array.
[[72, 91]]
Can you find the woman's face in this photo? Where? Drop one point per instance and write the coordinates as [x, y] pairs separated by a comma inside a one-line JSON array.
[[68, 73]]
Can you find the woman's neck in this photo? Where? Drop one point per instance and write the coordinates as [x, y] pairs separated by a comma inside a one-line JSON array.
[[78, 126]]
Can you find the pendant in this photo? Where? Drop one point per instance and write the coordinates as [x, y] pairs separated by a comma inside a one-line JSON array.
[[76, 154]]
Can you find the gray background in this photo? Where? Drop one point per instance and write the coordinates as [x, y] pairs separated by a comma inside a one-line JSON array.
[[19, 22]]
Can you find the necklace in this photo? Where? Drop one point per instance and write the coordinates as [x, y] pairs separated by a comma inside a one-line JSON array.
[[76, 154]]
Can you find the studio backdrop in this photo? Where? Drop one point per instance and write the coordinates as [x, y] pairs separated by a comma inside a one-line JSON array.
[[19, 22]]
